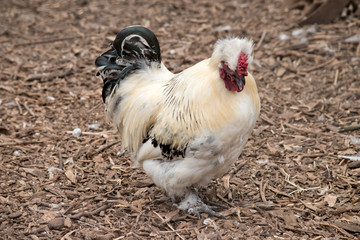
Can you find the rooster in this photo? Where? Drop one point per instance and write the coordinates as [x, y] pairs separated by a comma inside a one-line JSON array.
[[183, 129]]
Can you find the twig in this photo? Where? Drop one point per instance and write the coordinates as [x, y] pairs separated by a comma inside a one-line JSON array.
[[312, 155], [237, 169], [348, 128], [278, 191], [172, 229], [299, 230], [87, 214], [317, 238], [291, 69], [104, 148], [224, 200], [89, 224], [354, 89], [267, 119], [70, 208], [66, 236], [261, 39], [178, 230], [295, 47], [299, 129], [137, 219], [351, 157], [20, 143], [336, 76], [271, 188], [28, 109], [46, 41], [49, 76], [308, 131], [92, 133], [351, 117], [27, 188], [303, 189], [318, 66], [61, 162], [19, 107], [337, 228], [15, 172], [342, 209], [299, 189], [118, 238], [96, 106], [285, 174], [262, 188]]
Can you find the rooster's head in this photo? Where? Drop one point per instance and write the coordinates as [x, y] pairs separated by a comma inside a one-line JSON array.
[[232, 56]]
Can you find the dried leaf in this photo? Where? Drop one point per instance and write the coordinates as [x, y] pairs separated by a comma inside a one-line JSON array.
[[67, 222], [349, 226], [280, 72], [289, 218], [48, 216], [330, 199], [70, 175]]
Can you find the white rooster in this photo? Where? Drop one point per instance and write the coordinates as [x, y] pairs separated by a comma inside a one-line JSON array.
[[183, 129]]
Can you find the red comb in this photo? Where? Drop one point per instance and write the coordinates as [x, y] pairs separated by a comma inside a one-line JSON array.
[[242, 65]]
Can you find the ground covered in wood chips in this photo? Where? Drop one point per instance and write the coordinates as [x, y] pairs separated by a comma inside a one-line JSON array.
[[290, 182]]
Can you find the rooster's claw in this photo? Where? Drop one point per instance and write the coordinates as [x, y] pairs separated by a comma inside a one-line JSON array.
[[193, 205]]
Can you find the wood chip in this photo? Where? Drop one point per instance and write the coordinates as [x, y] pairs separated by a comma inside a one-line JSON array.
[[288, 182], [70, 175]]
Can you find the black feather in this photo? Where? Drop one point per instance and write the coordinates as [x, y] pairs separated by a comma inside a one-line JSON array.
[[150, 48], [167, 151], [133, 48]]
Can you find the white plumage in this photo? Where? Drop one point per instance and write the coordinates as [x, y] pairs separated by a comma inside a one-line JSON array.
[[188, 128]]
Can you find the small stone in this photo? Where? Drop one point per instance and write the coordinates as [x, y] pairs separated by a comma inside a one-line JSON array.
[[263, 161], [94, 126], [50, 98], [311, 29], [355, 38], [34, 237], [298, 33], [355, 140], [283, 37], [56, 223], [321, 118], [222, 28], [76, 132], [323, 191], [12, 103], [16, 153]]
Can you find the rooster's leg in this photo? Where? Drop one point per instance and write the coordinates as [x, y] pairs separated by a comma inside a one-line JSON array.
[[176, 178], [193, 205]]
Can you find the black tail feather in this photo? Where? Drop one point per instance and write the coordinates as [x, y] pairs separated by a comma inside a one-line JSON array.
[[133, 48], [140, 40]]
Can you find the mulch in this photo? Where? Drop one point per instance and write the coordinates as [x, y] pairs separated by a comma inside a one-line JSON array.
[[291, 181]]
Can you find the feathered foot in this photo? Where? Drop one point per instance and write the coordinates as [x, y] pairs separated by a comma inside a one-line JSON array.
[[193, 205]]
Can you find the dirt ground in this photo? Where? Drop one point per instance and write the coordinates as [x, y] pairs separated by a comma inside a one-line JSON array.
[[290, 182]]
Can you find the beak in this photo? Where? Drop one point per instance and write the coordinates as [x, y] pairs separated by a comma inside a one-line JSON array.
[[240, 81]]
